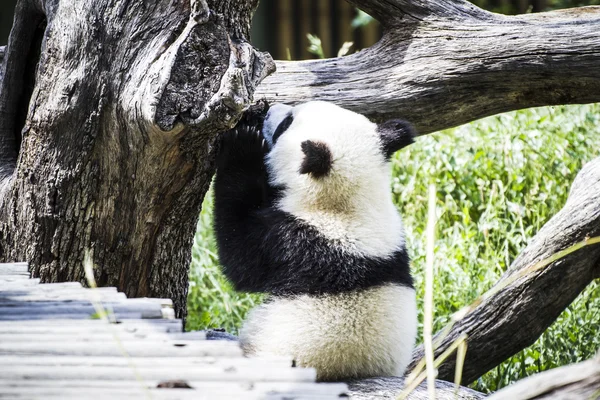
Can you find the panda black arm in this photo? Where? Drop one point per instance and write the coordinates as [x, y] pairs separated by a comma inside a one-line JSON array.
[[241, 190], [241, 181]]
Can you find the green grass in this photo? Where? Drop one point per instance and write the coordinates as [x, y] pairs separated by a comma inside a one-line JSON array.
[[498, 180]]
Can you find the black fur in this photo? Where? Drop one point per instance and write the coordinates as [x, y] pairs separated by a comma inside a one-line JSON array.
[[395, 134], [317, 159], [282, 127], [263, 249]]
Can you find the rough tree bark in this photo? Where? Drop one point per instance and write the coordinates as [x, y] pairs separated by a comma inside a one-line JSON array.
[[112, 108]]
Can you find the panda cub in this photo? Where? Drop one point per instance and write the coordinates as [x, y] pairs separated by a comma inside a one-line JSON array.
[[304, 212]]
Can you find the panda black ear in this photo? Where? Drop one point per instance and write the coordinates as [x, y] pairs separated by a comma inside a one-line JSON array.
[[395, 134], [318, 159]]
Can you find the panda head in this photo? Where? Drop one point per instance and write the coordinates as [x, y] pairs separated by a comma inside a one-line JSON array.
[[328, 158]]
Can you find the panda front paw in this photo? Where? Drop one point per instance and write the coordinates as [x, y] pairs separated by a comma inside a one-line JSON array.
[[242, 145]]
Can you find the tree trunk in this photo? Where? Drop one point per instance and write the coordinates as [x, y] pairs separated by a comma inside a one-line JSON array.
[[112, 108]]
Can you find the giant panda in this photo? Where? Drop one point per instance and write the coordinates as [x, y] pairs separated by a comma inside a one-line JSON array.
[[304, 213]]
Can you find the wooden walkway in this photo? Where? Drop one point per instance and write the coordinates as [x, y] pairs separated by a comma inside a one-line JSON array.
[[51, 347]]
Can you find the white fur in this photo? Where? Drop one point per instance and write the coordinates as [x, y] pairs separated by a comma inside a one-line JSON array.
[[352, 204], [276, 114], [354, 334], [348, 335]]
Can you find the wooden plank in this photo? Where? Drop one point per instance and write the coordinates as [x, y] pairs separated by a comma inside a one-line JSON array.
[[105, 334], [59, 288], [50, 348], [14, 269], [134, 349], [290, 388], [137, 392], [67, 295], [72, 316], [27, 283], [36, 281], [230, 373], [127, 362], [147, 309], [57, 325], [13, 278], [69, 326]]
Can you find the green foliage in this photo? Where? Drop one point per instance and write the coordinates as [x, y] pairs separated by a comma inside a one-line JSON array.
[[315, 46], [498, 180]]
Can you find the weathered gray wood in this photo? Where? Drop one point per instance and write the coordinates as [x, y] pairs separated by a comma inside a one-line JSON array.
[[14, 269], [390, 388], [177, 364], [50, 307], [69, 316], [444, 63], [102, 336], [12, 278], [92, 358], [148, 348], [201, 386], [231, 372], [578, 381], [234, 390], [119, 133], [57, 326], [35, 282], [27, 295], [135, 392], [516, 316], [29, 283]]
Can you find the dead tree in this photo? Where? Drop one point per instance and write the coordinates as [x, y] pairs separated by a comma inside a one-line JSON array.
[[110, 111]]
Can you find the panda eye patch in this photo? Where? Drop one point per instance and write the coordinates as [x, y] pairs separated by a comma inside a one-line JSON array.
[[282, 127]]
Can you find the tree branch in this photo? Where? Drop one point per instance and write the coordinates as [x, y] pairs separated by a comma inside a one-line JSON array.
[[442, 64], [391, 387], [516, 316], [396, 12], [577, 381]]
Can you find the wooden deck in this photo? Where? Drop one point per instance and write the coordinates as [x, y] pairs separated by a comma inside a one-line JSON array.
[[51, 347]]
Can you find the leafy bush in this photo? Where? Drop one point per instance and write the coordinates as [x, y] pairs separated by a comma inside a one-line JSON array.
[[498, 180]]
